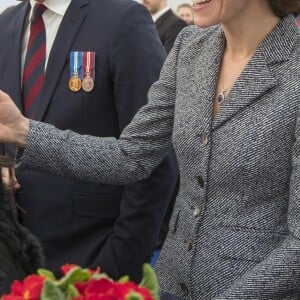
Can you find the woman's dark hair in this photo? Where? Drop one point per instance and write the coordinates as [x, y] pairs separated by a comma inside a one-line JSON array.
[[283, 8]]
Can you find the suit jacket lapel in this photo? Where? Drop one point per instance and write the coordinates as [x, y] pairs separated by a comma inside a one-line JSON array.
[[67, 32], [257, 78], [16, 46], [206, 78]]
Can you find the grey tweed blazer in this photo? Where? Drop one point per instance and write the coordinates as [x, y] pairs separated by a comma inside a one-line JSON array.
[[235, 229]]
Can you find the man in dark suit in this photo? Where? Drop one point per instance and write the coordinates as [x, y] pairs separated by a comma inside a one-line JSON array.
[[100, 58], [167, 23]]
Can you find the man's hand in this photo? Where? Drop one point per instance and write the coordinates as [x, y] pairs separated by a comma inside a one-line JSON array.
[[14, 126]]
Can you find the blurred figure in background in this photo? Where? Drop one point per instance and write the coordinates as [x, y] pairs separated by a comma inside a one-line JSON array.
[[185, 12], [167, 23]]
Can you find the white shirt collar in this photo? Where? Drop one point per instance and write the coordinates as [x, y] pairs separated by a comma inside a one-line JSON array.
[[59, 7], [160, 13]]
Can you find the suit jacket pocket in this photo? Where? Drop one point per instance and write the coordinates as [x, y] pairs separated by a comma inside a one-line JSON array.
[[96, 206], [247, 244]]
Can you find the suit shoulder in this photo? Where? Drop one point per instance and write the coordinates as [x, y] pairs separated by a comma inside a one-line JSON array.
[[120, 12], [7, 16], [191, 34], [117, 6]]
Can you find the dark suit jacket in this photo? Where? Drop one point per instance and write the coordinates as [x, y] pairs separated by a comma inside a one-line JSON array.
[[112, 226], [168, 26]]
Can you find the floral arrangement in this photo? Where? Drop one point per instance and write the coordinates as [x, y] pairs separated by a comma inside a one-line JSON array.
[[83, 284]]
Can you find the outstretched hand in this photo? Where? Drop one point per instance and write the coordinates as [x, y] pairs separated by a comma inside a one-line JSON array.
[[14, 126]]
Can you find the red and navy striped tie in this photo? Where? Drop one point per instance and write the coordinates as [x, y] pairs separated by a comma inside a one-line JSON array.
[[34, 67]]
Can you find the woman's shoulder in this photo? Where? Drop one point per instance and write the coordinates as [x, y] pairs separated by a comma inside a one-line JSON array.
[[194, 33], [193, 37]]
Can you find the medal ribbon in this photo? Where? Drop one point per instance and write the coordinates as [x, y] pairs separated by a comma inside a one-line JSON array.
[[89, 64], [76, 64]]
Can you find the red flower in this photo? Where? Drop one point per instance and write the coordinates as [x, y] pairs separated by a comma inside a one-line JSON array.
[[67, 268], [95, 288], [105, 289], [29, 289], [128, 287]]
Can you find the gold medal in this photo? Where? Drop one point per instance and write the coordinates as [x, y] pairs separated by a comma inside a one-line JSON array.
[[88, 84], [75, 83]]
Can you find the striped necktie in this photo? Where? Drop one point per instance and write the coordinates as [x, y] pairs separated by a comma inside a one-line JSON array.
[[34, 67]]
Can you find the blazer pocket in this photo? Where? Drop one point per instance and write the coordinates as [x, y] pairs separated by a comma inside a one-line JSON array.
[[248, 244], [96, 206]]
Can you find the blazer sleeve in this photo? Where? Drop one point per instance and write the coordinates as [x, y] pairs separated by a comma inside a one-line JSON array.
[[136, 60], [141, 146], [278, 275]]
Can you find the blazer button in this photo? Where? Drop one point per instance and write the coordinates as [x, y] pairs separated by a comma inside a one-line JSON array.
[[183, 287], [204, 138], [200, 181], [190, 246], [196, 211]]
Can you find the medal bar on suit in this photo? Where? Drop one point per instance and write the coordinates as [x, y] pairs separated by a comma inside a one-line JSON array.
[[89, 69], [75, 65]]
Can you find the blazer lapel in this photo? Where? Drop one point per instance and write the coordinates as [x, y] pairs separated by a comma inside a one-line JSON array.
[[206, 79], [16, 46], [67, 32], [257, 78]]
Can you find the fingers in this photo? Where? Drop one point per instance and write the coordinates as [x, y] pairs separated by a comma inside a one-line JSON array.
[[14, 126], [9, 179]]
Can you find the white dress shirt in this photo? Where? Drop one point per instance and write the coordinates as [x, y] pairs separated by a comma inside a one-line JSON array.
[[160, 13], [52, 18]]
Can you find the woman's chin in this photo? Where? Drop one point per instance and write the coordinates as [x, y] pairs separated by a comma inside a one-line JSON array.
[[203, 22]]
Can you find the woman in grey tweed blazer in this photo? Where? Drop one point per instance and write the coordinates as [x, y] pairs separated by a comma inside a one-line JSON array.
[[228, 101]]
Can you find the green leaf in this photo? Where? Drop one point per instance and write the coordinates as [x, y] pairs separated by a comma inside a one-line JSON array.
[[124, 279], [72, 292], [50, 291], [149, 280], [46, 273], [74, 275], [98, 276], [134, 296]]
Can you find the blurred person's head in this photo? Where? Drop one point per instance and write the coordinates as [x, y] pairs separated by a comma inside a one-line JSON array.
[[185, 12], [154, 6]]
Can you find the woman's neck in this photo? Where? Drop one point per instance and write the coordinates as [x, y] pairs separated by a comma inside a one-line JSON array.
[[245, 33]]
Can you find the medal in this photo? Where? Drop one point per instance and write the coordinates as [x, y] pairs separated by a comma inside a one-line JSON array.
[[88, 66], [75, 66], [87, 83], [75, 83]]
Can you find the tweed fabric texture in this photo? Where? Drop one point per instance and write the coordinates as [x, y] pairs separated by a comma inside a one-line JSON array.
[[235, 229]]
